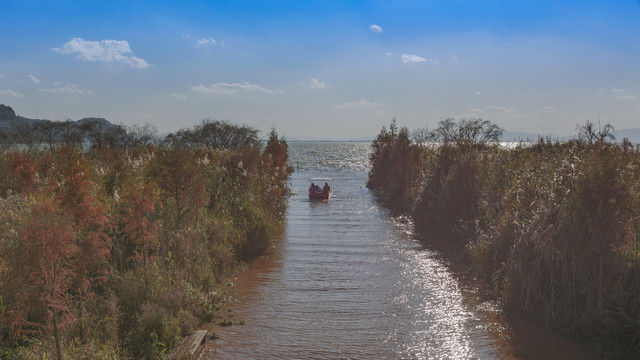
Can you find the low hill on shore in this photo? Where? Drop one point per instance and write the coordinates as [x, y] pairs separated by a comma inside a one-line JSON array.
[[10, 121]]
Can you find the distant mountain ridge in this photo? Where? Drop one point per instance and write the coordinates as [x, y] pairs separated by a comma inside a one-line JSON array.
[[508, 136], [16, 130], [9, 120], [632, 135], [11, 123]]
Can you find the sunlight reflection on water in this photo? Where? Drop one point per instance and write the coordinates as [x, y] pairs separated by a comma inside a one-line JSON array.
[[349, 281]]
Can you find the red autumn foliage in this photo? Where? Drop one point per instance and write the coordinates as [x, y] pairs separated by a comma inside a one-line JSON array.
[[138, 222], [181, 183], [22, 172], [43, 269], [79, 197], [276, 150]]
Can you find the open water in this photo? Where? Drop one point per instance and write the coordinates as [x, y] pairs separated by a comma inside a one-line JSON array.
[[349, 281]]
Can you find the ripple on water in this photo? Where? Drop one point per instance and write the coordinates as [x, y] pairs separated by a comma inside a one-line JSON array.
[[349, 281]]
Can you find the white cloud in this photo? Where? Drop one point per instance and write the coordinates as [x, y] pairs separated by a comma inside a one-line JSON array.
[[136, 62], [222, 88], [548, 112], [60, 88], [478, 93], [1, 76], [34, 79], [317, 84], [139, 116], [492, 109], [103, 51], [406, 58], [358, 105], [9, 92], [375, 29], [617, 90], [626, 97], [453, 59], [412, 59], [206, 41], [389, 54], [179, 96]]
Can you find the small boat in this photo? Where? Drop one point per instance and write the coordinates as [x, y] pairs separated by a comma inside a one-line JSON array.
[[320, 193]]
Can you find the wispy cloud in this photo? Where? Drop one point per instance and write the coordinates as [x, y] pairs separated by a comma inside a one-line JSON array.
[[223, 88], [139, 116], [1, 76], [206, 41], [548, 112], [103, 51], [12, 93], [362, 103], [33, 79], [179, 96], [376, 29], [492, 109], [453, 59], [317, 84], [407, 58], [625, 97], [617, 90], [412, 59], [69, 89]]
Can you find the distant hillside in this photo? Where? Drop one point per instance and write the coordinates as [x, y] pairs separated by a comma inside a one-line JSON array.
[[10, 121], [522, 136], [7, 113], [16, 130], [632, 134]]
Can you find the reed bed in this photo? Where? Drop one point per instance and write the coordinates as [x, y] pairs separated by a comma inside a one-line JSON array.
[[119, 252], [551, 228]]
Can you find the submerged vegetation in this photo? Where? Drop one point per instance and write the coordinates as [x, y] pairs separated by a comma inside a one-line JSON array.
[[550, 227], [120, 250]]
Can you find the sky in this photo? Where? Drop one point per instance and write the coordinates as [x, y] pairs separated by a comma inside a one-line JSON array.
[[324, 69]]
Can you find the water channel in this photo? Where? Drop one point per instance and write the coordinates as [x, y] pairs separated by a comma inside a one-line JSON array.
[[349, 281]]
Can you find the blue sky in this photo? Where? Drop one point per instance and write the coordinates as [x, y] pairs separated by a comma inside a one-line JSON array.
[[324, 69]]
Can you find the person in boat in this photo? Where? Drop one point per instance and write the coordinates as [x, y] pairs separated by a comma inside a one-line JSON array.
[[317, 188], [326, 188], [312, 187]]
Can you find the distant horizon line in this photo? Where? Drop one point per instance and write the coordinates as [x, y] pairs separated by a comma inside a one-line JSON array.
[[633, 134]]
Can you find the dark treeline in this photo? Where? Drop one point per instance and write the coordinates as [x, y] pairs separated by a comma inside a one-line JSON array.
[[120, 248], [98, 133], [216, 135], [550, 227]]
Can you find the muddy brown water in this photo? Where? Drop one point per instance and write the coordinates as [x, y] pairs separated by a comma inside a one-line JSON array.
[[349, 281]]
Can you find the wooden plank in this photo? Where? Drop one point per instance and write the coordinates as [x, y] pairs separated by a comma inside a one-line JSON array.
[[190, 345]]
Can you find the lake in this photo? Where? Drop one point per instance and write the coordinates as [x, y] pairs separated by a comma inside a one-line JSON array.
[[349, 281]]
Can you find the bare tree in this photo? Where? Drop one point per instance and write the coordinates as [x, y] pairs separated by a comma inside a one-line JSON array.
[[422, 136], [70, 135], [216, 134], [25, 135], [6, 141], [143, 135], [592, 135], [467, 131]]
